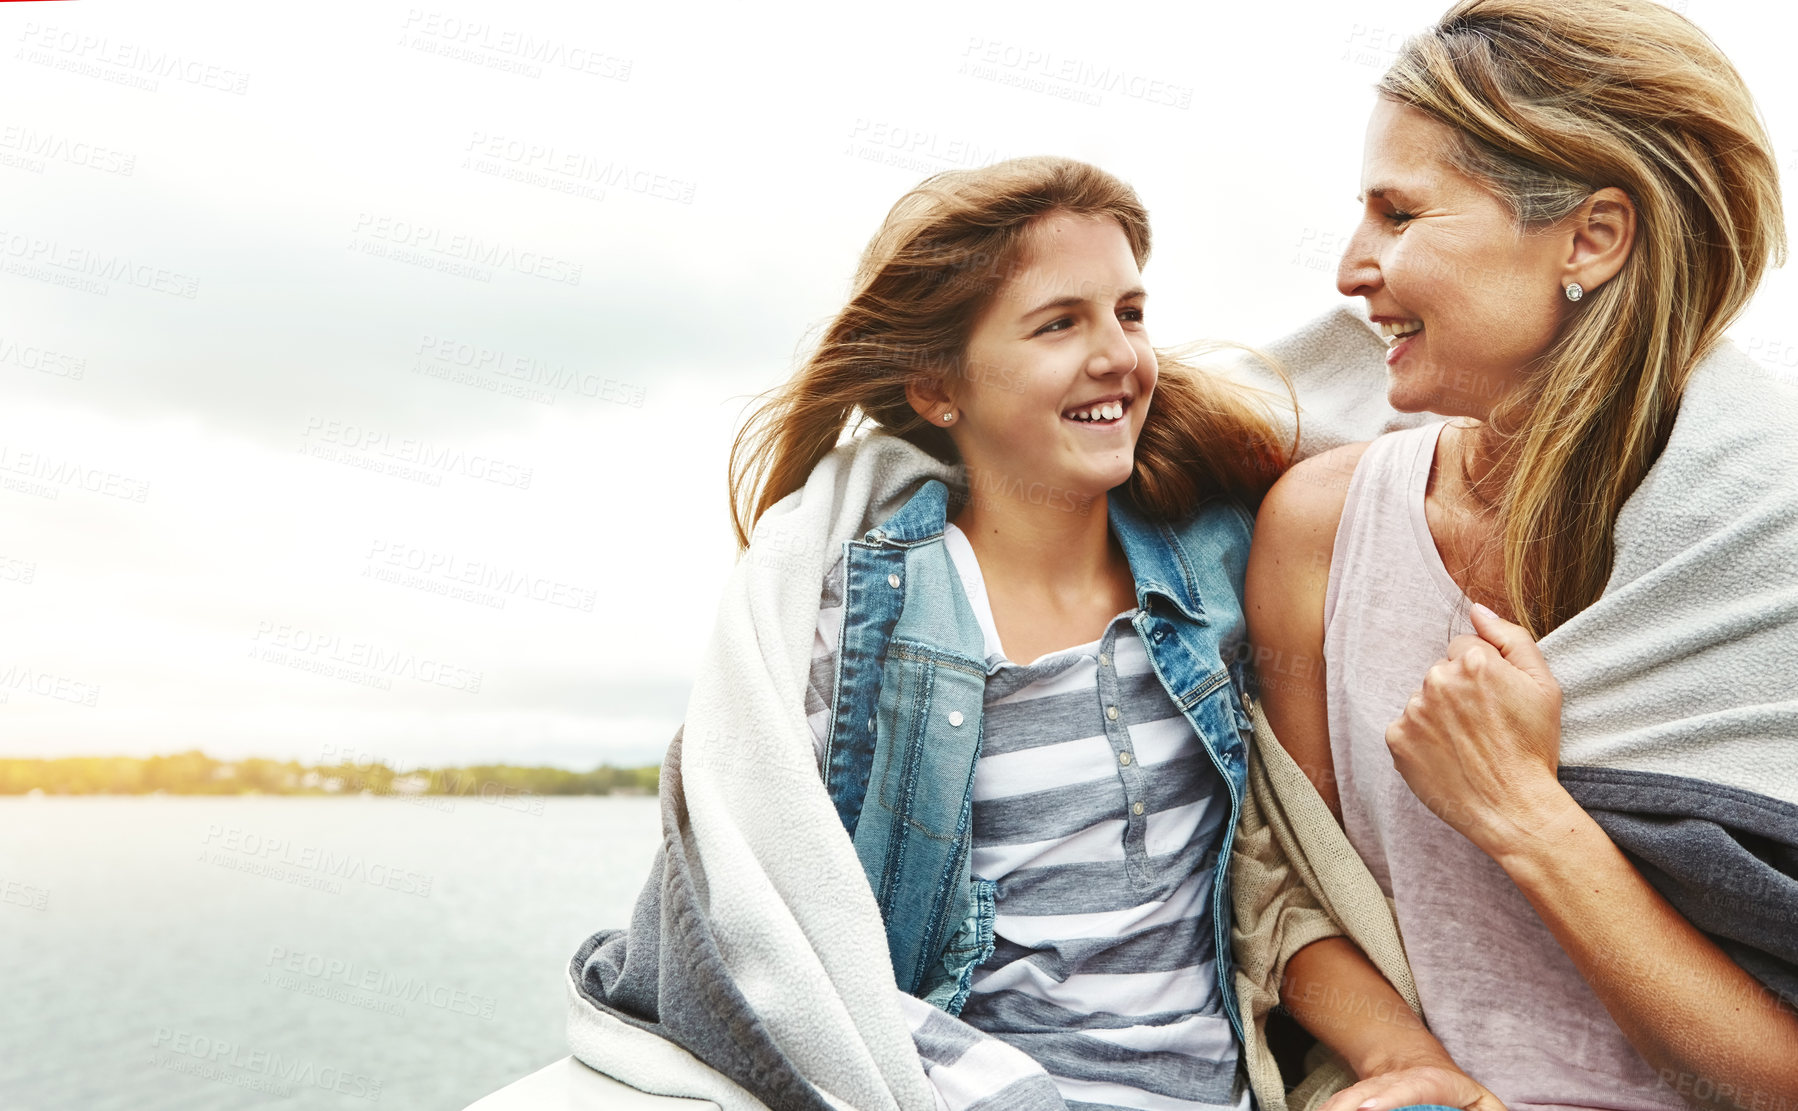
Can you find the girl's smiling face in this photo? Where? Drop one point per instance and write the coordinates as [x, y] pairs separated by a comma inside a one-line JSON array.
[[1058, 371]]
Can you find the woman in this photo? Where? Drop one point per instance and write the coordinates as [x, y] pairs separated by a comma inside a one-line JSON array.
[[1023, 693], [1565, 205]]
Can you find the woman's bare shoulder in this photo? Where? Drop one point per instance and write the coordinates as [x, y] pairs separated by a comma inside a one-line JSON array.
[[1296, 528], [1311, 494], [1288, 579]]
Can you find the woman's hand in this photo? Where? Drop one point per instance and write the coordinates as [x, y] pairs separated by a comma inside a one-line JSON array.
[[1480, 741], [1443, 1084]]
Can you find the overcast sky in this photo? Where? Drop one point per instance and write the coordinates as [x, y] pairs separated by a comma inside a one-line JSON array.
[[368, 369]]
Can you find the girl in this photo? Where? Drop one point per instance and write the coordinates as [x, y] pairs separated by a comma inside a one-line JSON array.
[[1023, 691]]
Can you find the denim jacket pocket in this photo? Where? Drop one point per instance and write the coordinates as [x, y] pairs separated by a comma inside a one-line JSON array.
[[968, 948]]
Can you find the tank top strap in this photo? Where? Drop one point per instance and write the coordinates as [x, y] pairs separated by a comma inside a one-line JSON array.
[[1384, 531]]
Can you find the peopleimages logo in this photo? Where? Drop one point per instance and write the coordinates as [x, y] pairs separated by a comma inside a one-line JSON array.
[[122, 62]]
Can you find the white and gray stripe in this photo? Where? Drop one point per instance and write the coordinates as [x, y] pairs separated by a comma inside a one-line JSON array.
[[972, 1072]]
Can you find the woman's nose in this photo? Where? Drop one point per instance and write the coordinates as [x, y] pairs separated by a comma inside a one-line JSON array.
[[1358, 274]]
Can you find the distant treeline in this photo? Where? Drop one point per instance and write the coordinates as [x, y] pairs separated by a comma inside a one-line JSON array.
[[195, 773]]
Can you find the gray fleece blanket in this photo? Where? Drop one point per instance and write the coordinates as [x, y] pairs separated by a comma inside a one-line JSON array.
[[756, 971], [1680, 685], [667, 976]]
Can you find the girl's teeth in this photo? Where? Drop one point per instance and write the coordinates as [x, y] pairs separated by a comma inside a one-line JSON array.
[[1110, 411]]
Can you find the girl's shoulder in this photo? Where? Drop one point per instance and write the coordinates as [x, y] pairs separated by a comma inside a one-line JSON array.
[[1219, 524], [1208, 549]]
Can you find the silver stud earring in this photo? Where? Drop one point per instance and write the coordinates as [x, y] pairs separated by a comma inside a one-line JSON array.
[[1574, 292], [947, 417]]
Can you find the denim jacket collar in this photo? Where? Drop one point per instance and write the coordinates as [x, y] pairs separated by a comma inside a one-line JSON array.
[[923, 517], [1155, 559]]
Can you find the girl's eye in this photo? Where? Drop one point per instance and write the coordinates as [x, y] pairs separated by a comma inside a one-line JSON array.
[[1400, 217], [1133, 313], [1056, 325]]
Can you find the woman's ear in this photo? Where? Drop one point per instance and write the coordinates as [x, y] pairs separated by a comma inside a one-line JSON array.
[[929, 399], [1604, 232]]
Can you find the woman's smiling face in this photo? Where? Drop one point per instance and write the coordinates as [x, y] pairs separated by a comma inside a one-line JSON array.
[[1468, 301], [1058, 369]]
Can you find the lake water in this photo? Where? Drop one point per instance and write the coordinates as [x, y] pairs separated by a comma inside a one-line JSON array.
[[302, 952]]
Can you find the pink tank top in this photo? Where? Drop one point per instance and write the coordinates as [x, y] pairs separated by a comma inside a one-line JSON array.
[[1496, 988]]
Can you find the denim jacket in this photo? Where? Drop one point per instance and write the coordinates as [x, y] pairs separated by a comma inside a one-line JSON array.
[[905, 729]]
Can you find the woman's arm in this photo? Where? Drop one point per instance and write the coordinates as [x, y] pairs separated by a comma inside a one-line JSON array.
[[1283, 593], [1485, 730], [1330, 986]]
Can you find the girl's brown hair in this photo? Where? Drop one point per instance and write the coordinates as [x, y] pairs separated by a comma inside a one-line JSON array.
[[1553, 100], [936, 261]]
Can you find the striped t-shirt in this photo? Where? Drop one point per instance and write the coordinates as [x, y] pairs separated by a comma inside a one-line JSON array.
[[1098, 815]]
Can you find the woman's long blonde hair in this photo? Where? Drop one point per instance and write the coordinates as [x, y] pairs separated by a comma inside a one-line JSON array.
[[936, 261], [1553, 100]]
